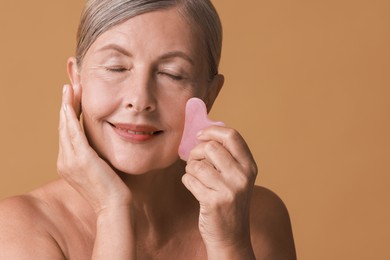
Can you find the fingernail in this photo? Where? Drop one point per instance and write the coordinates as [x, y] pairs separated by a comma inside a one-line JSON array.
[[199, 133], [65, 106], [65, 89]]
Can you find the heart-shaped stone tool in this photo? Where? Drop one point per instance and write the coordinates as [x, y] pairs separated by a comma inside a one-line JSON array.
[[196, 119]]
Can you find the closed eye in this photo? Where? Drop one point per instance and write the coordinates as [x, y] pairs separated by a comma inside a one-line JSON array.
[[116, 69], [172, 76]]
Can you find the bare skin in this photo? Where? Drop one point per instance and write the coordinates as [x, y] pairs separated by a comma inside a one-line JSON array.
[[132, 89], [62, 226]]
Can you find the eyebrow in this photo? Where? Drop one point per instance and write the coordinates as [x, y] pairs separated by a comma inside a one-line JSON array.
[[165, 56], [173, 54], [115, 47]]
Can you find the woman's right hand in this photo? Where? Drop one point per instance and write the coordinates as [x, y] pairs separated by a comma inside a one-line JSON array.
[[79, 164]]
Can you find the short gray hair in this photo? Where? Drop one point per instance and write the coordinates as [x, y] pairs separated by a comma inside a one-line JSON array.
[[99, 16]]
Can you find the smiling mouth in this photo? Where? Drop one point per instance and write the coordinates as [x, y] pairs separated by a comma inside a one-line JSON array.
[[139, 133], [136, 130]]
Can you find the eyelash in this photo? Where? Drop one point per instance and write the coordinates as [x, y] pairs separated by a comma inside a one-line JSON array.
[[172, 76], [116, 69], [122, 69]]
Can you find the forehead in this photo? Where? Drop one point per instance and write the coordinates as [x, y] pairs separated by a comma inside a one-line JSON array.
[[155, 32]]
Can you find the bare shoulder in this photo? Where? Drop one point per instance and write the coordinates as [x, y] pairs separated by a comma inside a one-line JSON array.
[[23, 230], [271, 230]]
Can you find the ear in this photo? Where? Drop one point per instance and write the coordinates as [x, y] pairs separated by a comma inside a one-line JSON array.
[[75, 79], [73, 71], [213, 90]]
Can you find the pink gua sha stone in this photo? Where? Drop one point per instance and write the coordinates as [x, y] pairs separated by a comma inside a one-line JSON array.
[[196, 119]]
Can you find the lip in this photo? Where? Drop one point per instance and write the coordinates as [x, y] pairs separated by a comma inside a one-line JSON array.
[[136, 133]]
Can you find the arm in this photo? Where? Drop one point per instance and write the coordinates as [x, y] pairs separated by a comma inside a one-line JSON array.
[[114, 235], [97, 183], [272, 236]]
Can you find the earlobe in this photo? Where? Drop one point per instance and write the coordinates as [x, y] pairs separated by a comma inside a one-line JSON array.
[[213, 90]]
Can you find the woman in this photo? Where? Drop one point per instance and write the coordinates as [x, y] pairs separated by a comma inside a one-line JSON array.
[[123, 192]]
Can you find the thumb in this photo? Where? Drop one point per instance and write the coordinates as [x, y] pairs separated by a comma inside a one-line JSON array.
[[77, 99]]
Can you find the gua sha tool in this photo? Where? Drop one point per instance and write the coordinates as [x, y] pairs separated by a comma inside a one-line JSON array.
[[196, 119]]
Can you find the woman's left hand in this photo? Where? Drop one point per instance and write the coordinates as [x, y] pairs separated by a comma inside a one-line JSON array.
[[221, 173]]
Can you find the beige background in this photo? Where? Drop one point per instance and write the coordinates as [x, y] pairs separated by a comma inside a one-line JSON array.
[[308, 85]]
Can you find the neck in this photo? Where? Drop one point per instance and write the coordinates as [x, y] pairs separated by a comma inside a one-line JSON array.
[[159, 197], [154, 187]]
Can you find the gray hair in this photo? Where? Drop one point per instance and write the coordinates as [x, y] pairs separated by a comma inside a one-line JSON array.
[[100, 15]]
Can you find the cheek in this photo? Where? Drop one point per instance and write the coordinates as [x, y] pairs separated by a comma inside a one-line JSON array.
[[172, 109], [97, 99]]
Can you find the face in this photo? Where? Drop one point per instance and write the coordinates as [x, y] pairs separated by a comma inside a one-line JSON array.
[[135, 81]]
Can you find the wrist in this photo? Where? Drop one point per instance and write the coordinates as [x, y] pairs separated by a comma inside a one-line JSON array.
[[115, 229], [114, 211], [114, 203], [234, 251]]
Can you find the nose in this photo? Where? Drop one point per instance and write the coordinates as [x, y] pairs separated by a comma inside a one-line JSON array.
[[140, 96]]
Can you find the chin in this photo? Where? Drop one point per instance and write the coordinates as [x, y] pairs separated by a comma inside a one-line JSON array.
[[139, 165]]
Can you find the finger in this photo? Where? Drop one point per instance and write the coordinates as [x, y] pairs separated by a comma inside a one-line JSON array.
[[232, 141], [65, 145], [205, 173], [77, 99], [73, 97], [200, 191], [73, 128], [217, 155], [65, 151]]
